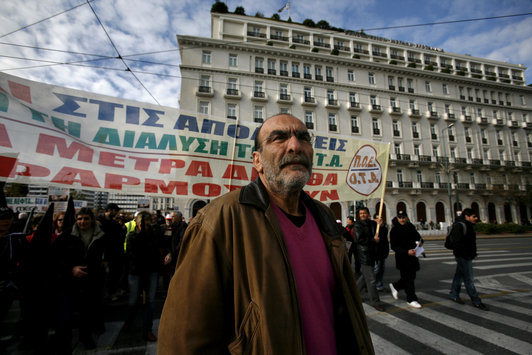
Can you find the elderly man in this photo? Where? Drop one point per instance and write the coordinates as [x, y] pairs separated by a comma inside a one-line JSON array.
[[264, 270]]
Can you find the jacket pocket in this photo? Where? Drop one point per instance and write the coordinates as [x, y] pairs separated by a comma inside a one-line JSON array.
[[247, 336]]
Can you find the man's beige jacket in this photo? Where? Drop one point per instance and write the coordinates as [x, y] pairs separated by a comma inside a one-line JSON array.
[[233, 291]]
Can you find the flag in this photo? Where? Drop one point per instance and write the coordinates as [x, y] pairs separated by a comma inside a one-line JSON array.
[[285, 7]]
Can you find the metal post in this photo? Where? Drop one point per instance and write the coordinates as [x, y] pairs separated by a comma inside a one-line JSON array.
[[447, 169]]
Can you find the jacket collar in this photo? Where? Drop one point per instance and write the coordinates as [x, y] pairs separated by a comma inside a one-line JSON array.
[[255, 194]]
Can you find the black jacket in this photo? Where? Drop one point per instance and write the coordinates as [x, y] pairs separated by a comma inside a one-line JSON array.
[[144, 252], [366, 246], [402, 239], [383, 246], [465, 245]]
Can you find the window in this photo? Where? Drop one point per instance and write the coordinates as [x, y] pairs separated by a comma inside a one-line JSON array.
[[435, 151], [232, 86], [522, 99], [332, 122], [317, 72], [470, 153], [445, 89], [271, 66], [400, 84], [396, 128], [329, 73], [430, 106], [231, 111], [409, 84], [309, 119], [258, 114], [453, 152], [295, 70], [306, 71], [391, 82], [393, 103], [495, 114], [257, 89], [206, 57], [307, 91], [433, 131], [447, 108], [283, 92], [203, 107], [350, 75], [233, 60], [417, 150], [428, 87], [415, 132], [373, 100], [330, 97], [352, 97], [285, 110], [205, 81], [376, 127], [371, 78], [354, 125], [419, 176], [437, 177], [259, 65], [399, 175], [412, 104], [486, 155], [397, 148], [283, 68]]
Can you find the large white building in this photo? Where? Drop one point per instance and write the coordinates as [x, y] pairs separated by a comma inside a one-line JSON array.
[[460, 127]]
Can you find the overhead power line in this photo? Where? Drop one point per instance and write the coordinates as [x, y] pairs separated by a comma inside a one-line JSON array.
[[446, 22]]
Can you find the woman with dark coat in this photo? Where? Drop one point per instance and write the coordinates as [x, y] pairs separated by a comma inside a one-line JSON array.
[[403, 239]]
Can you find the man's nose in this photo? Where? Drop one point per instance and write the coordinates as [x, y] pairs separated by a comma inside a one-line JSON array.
[[294, 144]]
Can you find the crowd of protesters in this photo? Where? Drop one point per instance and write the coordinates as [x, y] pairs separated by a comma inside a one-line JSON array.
[[63, 267]]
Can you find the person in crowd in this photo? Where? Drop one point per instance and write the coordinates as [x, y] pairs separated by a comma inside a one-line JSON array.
[[351, 243], [465, 250], [13, 247], [403, 239], [179, 226], [19, 223], [57, 225], [80, 280], [144, 261], [383, 249], [366, 241], [114, 249], [264, 269]]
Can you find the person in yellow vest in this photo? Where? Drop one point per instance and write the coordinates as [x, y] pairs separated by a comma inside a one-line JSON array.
[[129, 227]]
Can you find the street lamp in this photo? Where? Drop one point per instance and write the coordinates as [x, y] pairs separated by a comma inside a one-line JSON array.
[[447, 170]]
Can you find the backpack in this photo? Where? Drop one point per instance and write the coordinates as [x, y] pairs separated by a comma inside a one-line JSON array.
[[450, 240]]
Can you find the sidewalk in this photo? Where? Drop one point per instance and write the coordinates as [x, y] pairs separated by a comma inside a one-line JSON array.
[[440, 235]]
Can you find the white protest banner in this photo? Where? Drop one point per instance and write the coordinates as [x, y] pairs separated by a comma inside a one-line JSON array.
[[75, 139]]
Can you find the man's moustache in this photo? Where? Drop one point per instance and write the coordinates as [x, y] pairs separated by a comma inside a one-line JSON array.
[[294, 159]]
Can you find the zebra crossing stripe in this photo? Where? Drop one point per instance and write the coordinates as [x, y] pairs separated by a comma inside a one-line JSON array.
[[522, 278], [433, 340], [500, 266], [383, 346], [510, 307], [496, 317], [484, 334]]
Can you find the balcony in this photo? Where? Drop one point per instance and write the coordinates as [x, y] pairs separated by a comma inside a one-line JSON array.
[[258, 119], [283, 72], [484, 140], [462, 186], [332, 128], [284, 98], [321, 44], [272, 72], [376, 131], [307, 76], [414, 112], [482, 120], [499, 142], [405, 184], [309, 125], [414, 60], [279, 38], [301, 41], [354, 106], [232, 93], [391, 87], [450, 116], [355, 129], [397, 57], [415, 135], [451, 138], [256, 34], [498, 122], [380, 54], [411, 90], [432, 115], [374, 108], [468, 139], [427, 185], [434, 136], [396, 133], [259, 70], [466, 118], [205, 91], [295, 75], [309, 101], [495, 162], [361, 51], [401, 88], [330, 79], [332, 103], [259, 96], [394, 110], [319, 77]]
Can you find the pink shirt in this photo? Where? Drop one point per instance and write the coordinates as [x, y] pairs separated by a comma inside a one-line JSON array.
[[314, 276]]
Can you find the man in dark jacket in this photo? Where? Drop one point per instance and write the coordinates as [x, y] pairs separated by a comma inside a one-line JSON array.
[[366, 241], [404, 238], [383, 249], [114, 248], [464, 240], [264, 269]]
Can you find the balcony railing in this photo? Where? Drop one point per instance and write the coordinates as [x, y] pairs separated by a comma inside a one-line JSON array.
[[284, 97], [259, 94], [279, 38], [301, 41], [310, 125], [330, 79], [204, 89], [322, 44], [355, 129], [272, 71], [405, 184], [332, 127], [427, 185], [307, 76], [360, 50], [259, 70], [256, 34], [232, 92], [283, 72], [332, 102], [310, 100], [319, 77], [415, 134]]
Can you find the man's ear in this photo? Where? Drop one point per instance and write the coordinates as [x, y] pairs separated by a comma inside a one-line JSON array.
[[257, 161]]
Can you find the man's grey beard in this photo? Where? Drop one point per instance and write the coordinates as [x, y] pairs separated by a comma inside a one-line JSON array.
[[281, 185]]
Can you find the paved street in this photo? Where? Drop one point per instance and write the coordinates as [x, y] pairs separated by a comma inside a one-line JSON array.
[[503, 274]]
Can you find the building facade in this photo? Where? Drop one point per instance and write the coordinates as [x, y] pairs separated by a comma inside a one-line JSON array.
[[460, 127]]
